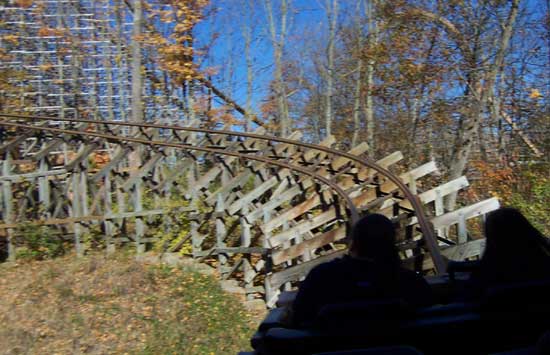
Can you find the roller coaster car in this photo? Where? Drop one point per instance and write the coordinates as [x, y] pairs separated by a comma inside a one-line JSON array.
[[507, 317]]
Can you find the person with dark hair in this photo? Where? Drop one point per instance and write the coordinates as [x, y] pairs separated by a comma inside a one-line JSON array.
[[515, 251], [371, 271]]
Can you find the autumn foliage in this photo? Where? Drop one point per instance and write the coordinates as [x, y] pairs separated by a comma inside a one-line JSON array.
[[177, 50], [116, 306]]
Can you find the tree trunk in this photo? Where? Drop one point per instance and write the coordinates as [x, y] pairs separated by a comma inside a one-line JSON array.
[[278, 47], [120, 63], [357, 104], [359, 80], [369, 75], [480, 88], [247, 34], [332, 17], [137, 103]]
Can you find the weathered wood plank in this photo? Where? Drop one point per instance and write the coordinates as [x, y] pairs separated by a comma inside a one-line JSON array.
[[89, 218], [32, 176], [459, 252], [365, 174], [212, 173], [43, 153], [7, 202], [468, 212], [441, 190], [303, 227], [413, 174], [281, 256], [81, 156], [315, 200], [293, 273], [274, 180], [242, 177], [293, 212], [141, 172], [120, 154]]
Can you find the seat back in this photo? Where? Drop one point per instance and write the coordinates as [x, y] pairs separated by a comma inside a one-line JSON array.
[[346, 315], [528, 297]]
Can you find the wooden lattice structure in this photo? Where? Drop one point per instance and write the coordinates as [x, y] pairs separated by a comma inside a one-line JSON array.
[[73, 58], [262, 210]]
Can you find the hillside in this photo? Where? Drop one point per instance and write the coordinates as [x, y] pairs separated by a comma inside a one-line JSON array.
[[96, 305]]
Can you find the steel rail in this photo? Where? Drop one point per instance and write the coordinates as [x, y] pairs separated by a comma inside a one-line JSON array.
[[334, 186], [425, 226]]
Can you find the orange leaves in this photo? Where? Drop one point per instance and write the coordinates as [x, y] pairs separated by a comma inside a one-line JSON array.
[[498, 181], [24, 3], [46, 66], [535, 94], [100, 159], [11, 39], [176, 49], [50, 32]]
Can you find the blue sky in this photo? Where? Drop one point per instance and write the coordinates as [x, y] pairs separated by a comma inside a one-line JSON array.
[[308, 19]]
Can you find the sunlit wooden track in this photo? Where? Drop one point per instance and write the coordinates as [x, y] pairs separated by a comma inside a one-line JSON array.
[[263, 209]]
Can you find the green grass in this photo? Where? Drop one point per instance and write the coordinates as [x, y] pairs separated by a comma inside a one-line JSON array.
[[96, 305]]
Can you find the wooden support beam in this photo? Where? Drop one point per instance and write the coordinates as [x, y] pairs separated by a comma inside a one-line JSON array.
[[221, 232], [138, 175], [76, 212], [217, 169], [240, 179], [8, 205], [365, 174], [108, 205], [303, 227], [459, 252], [47, 149], [315, 200], [441, 191], [44, 188], [120, 154], [294, 273], [32, 176], [140, 225], [411, 175], [82, 155], [21, 137], [318, 241], [55, 143], [90, 218], [477, 209]]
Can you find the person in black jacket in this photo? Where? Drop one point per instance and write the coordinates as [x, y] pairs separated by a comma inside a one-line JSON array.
[[371, 271], [515, 251]]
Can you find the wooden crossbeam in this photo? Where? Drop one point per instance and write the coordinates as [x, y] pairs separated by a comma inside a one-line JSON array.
[[211, 174], [294, 273], [281, 256], [81, 156], [142, 172], [477, 209], [32, 176], [303, 227], [89, 218], [274, 180], [315, 200]]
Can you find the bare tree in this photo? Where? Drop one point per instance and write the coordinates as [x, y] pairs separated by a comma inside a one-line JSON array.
[[137, 103], [278, 38], [331, 8]]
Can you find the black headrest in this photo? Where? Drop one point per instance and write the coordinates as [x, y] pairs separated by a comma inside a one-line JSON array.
[[386, 309], [517, 295], [454, 267], [386, 350]]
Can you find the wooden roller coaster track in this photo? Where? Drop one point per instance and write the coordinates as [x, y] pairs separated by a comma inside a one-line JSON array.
[[290, 202]]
